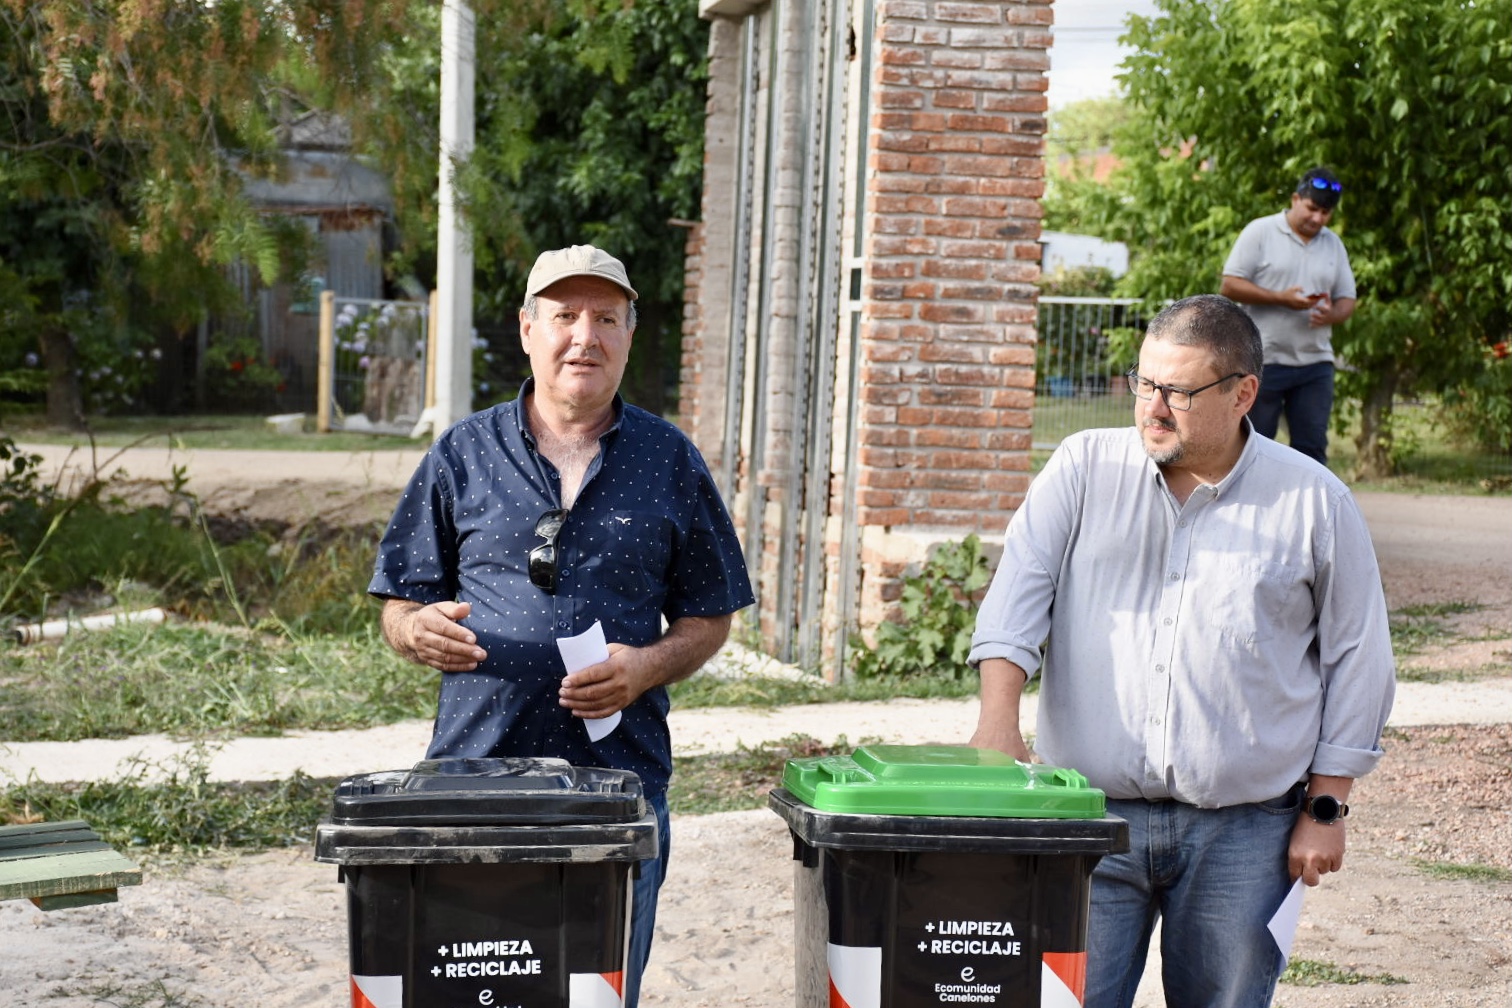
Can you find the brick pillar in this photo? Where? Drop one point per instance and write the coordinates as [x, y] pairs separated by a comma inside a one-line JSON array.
[[955, 157]]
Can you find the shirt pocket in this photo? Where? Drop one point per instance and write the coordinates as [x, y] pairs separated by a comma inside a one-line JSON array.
[[630, 551], [1261, 598]]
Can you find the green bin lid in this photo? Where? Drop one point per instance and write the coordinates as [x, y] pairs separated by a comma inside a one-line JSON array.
[[938, 780]]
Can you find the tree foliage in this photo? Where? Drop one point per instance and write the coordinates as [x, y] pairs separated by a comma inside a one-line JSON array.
[[1409, 102], [590, 117], [1079, 148], [129, 124], [133, 123]]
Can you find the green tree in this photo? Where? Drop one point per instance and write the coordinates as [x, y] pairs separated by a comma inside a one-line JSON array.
[[590, 117], [1078, 146], [134, 122], [1410, 102], [130, 124]]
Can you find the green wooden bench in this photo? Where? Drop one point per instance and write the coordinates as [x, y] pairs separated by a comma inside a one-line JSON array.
[[61, 864]]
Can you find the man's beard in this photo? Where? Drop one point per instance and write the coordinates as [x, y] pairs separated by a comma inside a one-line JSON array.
[[1165, 456]]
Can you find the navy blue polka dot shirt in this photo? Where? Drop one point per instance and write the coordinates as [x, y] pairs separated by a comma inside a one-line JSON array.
[[647, 537]]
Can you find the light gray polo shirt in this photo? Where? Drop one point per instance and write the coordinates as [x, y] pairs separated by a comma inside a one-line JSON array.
[[1269, 254]]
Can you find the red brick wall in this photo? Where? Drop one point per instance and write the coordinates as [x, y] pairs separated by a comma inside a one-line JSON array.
[[953, 220]]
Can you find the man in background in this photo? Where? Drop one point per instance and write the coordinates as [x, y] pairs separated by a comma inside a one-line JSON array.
[[1293, 277]]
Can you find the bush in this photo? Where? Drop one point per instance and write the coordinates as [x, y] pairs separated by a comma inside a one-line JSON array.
[[1480, 412], [938, 609], [238, 380]]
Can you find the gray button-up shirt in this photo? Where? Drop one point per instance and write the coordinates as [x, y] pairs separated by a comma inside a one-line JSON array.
[[1270, 254], [1215, 652]]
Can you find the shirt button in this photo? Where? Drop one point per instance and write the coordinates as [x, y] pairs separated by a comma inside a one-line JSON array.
[[1168, 621], [1159, 668], [1175, 576]]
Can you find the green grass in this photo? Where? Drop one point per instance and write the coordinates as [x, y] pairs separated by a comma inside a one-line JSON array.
[[173, 808], [1414, 673], [1463, 872], [203, 679], [759, 691], [1414, 628], [1311, 973], [208, 679], [200, 432]]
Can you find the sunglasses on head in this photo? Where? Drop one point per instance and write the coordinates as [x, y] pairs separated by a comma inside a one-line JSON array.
[[1323, 185]]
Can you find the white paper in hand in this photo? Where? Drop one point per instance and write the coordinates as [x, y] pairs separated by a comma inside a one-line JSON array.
[[589, 648], [1283, 925]]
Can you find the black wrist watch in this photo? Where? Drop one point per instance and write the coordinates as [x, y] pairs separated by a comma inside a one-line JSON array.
[[1326, 809]]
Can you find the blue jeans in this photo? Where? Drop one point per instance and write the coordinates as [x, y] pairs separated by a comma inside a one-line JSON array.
[[643, 903], [1305, 395], [1213, 877]]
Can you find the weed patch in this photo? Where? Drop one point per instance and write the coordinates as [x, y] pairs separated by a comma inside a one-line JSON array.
[[730, 782], [173, 807], [192, 680], [1414, 628], [1311, 973], [938, 609], [142, 994], [1463, 872]]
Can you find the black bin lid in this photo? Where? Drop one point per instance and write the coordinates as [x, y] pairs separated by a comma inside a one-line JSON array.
[[492, 791]]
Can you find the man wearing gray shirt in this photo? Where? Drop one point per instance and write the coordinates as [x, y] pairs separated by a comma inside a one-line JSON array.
[[1293, 277], [1218, 660]]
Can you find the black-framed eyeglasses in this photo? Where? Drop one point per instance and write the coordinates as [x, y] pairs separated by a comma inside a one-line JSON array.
[[543, 559], [1175, 398], [1324, 185]]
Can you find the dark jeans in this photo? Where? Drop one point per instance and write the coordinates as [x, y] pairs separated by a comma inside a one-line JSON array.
[[1305, 395], [643, 904], [1213, 878]]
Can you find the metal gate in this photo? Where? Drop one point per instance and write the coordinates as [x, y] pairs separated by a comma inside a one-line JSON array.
[[780, 392], [373, 364]]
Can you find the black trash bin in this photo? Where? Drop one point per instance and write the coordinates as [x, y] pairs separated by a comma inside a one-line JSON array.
[[488, 882], [941, 875]]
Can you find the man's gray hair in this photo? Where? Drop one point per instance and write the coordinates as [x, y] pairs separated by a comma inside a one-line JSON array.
[[1216, 324], [531, 307]]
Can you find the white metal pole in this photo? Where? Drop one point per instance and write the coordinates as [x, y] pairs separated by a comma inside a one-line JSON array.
[[454, 254]]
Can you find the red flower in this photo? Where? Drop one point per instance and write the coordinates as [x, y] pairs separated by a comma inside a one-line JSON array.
[[1499, 350]]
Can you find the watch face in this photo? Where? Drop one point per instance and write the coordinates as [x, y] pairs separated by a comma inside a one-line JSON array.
[[1324, 808]]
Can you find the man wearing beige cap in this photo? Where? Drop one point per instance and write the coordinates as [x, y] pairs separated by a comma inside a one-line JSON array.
[[536, 519]]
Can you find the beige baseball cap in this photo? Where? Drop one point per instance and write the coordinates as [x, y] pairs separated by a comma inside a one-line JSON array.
[[579, 260]]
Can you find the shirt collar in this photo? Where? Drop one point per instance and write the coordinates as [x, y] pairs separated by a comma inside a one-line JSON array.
[[528, 386]]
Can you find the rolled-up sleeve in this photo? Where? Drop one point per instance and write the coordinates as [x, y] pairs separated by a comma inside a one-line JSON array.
[[1354, 649]]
